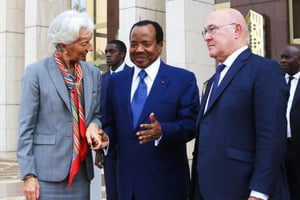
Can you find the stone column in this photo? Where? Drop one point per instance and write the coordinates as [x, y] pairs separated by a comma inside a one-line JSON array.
[[38, 15], [11, 69], [185, 45], [23, 39], [132, 11]]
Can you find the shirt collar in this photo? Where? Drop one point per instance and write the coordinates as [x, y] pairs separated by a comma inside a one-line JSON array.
[[120, 68], [228, 62], [296, 76], [151, 70]]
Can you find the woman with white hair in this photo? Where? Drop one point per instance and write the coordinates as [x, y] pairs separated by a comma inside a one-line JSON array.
[[59, 118]]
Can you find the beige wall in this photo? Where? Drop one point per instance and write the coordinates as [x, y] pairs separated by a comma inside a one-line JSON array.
[[23, 39], [11, 69]]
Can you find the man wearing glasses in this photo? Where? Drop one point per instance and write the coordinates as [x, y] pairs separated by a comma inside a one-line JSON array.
[[241, 125]]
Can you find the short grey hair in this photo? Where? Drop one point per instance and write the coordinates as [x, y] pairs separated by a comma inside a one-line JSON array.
[[65, 28]]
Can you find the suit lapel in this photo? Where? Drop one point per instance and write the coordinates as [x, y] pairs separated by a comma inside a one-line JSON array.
[[58, 81], [104, 90], [296, 95], [87, 88], [233, 70], [124, 91], [204, 99], [160, 83]]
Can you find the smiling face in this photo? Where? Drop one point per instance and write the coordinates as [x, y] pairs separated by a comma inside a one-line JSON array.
[[78, 50], [144, 49]]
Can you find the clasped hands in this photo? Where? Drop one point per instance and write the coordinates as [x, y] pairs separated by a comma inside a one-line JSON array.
[[96, 137]]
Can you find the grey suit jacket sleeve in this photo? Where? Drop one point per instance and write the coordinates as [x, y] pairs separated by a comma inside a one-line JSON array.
[[92, 94], [29, 106], [45, 122]]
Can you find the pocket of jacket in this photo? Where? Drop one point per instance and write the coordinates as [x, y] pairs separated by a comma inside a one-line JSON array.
[[44, 139], [240, 155]]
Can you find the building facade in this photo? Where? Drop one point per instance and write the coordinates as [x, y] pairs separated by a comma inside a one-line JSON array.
[[23, 38], [24, 26]]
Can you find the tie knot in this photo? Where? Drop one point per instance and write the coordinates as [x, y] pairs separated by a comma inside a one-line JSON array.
[[220, 68], [290, 81], [142, 74]]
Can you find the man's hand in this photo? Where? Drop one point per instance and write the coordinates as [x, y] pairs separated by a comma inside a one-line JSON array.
[[96, 137], [103, 139], [99, 159], [31, 188], [152, 131]]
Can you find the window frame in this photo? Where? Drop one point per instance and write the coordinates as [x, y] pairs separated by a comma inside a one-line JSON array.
[[293, 39], [97, 56]]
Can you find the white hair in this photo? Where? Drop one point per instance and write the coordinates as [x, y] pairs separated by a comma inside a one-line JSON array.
[[65, 28]]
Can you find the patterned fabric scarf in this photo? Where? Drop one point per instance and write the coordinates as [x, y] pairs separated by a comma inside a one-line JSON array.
[[73, 82]]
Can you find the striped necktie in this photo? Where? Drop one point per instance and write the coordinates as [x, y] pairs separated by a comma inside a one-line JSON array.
[[73, 81]]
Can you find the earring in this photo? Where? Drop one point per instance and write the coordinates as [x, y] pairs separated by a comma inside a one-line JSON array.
[[65, 52]]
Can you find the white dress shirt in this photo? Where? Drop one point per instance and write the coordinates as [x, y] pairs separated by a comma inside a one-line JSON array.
[[151, 72], [120, 68], [294, 83], [228, 62]]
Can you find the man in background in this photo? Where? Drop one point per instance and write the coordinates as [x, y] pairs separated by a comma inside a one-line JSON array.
[[290, 63], [115, 52]]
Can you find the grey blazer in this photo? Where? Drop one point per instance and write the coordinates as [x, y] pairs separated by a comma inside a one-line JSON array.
[[45, 140]]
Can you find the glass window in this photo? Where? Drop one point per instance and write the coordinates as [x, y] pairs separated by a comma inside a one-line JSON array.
[[294, 11], [97, 10], [79, 5], [221, 1]]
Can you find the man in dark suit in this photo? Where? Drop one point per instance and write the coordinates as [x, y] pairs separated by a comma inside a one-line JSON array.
[[290, 63], [152, 151], [241, 125], [115, 52]]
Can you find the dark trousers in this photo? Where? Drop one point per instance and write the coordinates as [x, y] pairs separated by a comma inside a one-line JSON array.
[[292, 171], [110, 175]]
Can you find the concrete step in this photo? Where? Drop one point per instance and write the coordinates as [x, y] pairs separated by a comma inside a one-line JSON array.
[[11, 187]]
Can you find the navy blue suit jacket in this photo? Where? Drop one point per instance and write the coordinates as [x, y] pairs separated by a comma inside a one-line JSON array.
[[110, 161], [295, 125], [104, 88], [145, 170], [293, 150], [241, 137]]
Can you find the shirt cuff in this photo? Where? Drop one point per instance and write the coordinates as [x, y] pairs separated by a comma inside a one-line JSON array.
[[259, 195], [156, 142], [105, 150]]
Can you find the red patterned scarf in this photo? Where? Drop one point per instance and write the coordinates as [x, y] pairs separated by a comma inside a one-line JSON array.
[[73, 81]]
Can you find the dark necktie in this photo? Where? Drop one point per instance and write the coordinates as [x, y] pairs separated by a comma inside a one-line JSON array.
[[289, 81], [216, 82], [139, 98]]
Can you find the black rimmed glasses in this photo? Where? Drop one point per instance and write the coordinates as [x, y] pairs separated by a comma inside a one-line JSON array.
[[211, 30]]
